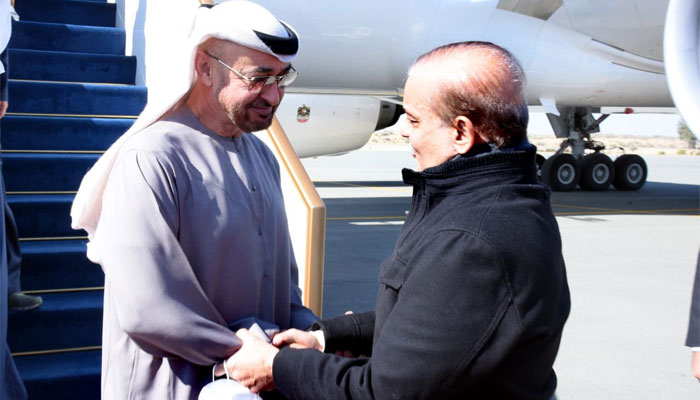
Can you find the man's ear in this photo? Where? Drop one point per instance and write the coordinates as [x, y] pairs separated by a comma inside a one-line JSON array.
[[203, 67], [464, 136]]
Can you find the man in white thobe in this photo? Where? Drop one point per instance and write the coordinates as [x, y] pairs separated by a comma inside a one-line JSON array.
[[187, 219]]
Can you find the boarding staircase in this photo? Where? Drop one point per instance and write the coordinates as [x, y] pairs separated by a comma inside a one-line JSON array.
[[71, 95]]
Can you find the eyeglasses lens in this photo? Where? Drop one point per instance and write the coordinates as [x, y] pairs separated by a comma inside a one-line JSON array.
[[282, 81]]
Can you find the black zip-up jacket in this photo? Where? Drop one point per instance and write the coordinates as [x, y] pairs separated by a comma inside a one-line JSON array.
[[471, 303]]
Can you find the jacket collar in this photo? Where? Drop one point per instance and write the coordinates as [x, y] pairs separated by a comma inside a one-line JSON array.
[[481, 166]]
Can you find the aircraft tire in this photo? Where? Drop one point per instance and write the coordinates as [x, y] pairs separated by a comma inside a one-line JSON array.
[[561, 172], [630, 172], [597, 172], [539, 159]]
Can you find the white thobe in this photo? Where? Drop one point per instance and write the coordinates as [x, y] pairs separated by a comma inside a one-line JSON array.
[[193, 237]]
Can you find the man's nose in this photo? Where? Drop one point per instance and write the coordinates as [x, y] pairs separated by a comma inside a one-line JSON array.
[[272, 93]]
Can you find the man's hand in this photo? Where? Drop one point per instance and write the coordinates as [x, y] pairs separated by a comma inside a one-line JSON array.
[[251, 365], [3, 107], [297, 339], [695, 364]]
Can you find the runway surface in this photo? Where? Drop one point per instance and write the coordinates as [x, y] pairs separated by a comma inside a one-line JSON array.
[[630, 261]]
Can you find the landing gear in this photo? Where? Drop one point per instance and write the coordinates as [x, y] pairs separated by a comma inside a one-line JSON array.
[[631, 172], [561, 172], [597, 172], [591, 171], [539, 159]]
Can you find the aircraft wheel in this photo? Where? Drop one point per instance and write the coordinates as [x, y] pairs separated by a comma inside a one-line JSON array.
[[630, 172], [597, 172], [561, 172], [539, 159]]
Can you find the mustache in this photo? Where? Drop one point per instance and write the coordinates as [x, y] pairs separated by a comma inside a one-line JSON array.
[[261, 103]]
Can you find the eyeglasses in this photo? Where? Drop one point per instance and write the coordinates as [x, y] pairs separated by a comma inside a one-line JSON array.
[[257, 83]]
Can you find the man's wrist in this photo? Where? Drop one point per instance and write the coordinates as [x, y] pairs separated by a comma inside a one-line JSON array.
[[270, 360], [320, 339]]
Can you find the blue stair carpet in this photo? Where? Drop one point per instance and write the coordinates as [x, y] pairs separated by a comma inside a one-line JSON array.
[[59, 133], [68, 376], [27, 172], [92, 1], [43, 216], [64, 37], [75, 99], [71, 95], [67, 12], [71, 67], [72, 319], [58, 264]]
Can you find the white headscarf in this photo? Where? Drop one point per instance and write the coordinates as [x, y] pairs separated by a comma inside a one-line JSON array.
[[5, 27], [238, 21]]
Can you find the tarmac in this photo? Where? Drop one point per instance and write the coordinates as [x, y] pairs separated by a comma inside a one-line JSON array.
[[630, 258]]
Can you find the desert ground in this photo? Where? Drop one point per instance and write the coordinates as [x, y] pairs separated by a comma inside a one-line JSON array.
[[614, 144]]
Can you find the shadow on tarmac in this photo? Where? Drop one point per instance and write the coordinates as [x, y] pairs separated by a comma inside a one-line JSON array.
[[361, 231], [655, 198]]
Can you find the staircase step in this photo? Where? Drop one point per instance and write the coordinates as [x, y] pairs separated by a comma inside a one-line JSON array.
[[92, 1], [76, 99], [59, 133], [43, 216], [67, 12], [64, 376], [66, 37], [26, 172], [58, 264], [72, 95], [65, 321], [41, 65]]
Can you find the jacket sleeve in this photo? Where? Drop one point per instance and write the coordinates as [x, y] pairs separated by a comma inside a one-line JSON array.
[[693, 338], [450, 298], [158, 299], [352, 332]]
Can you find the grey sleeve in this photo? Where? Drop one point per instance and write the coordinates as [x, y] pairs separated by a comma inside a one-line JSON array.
[[158, 299], [301, 317]]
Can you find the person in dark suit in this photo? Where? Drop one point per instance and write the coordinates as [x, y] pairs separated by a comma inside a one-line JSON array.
[[693, 338], [11, 386], [473, 300], [16, 300]]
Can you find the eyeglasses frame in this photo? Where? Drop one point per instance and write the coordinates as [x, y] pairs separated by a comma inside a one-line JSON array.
[[267, 80]]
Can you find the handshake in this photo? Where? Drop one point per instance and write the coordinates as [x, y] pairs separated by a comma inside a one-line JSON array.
[[251, 365]]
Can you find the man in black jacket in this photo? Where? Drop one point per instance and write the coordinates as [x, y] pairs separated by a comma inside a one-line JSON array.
[[473, 300]]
